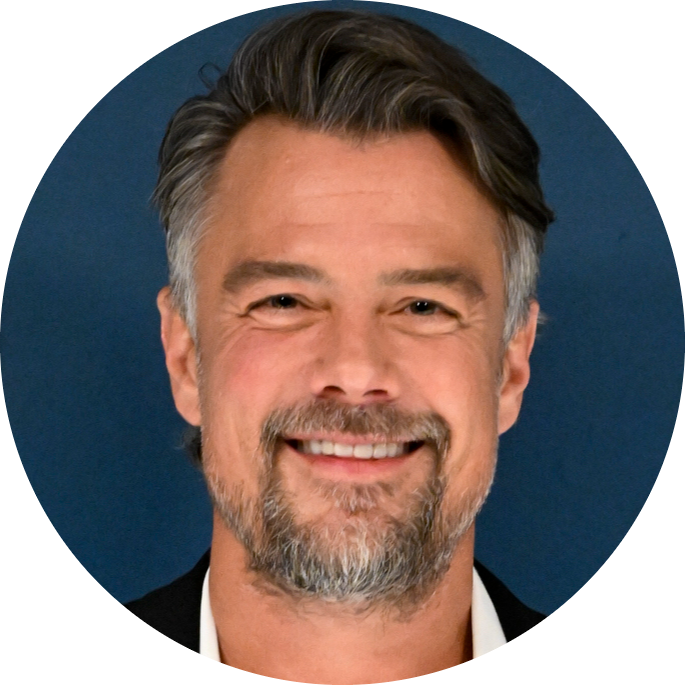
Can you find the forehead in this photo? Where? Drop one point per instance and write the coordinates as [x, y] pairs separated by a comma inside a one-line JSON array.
[[283, 189]]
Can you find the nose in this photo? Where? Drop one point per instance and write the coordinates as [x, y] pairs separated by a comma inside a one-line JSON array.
[[354, 363]]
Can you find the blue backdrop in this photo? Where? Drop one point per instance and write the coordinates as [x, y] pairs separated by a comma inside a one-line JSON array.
[[87, 392]]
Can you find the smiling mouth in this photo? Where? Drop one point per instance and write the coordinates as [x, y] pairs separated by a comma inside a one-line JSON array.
[[378, 450]]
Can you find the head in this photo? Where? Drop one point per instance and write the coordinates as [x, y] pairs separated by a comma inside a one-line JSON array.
[[354, 222]]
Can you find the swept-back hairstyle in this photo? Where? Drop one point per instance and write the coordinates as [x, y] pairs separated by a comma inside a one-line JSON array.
[[359, 75]]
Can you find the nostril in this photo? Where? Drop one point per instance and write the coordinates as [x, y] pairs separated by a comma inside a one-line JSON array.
[[332, 392], [377, 394], [336, 392]]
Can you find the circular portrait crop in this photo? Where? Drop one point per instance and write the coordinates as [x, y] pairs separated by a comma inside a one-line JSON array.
[[341, 343]]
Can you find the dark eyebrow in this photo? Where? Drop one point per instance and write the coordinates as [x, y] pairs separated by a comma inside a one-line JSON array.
[[246, 273], [451, 277]]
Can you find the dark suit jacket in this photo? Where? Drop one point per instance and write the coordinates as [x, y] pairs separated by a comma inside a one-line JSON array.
[[174, 609]]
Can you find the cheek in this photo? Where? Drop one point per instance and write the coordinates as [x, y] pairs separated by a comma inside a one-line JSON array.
[[253, 363], [236, 394], [456, 376], [459, 382], [246, 376]]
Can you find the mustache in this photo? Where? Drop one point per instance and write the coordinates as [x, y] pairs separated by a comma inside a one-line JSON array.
[[384, 422]]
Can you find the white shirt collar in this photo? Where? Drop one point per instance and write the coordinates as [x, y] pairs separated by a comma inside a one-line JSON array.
[[486, 629]]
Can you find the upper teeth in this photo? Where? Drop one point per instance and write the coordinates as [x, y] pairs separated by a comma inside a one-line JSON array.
[[377, 451]]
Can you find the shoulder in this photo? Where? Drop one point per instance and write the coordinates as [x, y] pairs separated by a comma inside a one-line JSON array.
[[174, 610], [516, 618]]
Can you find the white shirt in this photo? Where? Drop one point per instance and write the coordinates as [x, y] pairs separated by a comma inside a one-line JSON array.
[[486, 629]]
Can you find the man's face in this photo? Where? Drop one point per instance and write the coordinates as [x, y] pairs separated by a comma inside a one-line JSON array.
[[356, 278]]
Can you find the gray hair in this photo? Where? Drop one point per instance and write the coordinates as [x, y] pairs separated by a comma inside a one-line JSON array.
[[360, 75]]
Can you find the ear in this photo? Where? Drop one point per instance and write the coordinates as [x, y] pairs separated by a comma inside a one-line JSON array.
[[516, 370], [181, 359]]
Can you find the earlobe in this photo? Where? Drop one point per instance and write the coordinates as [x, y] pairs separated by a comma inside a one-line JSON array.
[[181, 359], [516, 370]]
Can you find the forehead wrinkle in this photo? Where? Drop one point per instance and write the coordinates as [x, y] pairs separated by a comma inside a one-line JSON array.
[[249, 272], [455, 278]]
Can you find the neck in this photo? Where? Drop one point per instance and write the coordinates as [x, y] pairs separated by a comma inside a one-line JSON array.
[[265, 631]]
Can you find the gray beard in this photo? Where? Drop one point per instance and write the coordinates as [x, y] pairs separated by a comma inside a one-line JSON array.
[[373, 559]]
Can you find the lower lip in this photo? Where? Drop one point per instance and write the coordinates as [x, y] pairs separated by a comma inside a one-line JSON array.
[[349, 466]]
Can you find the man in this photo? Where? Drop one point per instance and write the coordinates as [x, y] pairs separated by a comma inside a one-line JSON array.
[[354, 221]]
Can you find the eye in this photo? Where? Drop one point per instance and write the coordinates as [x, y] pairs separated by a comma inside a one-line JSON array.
[[429, 309], [426, 317], [275, 303], [424, 308], [282, 302], [280, 310]]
